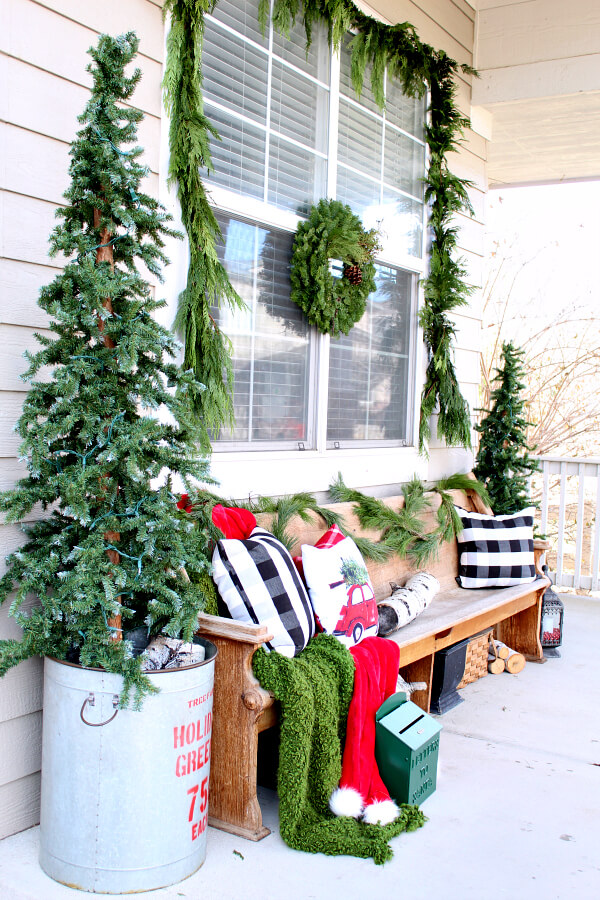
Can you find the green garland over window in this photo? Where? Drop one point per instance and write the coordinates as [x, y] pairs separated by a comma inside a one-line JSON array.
[[418, 68], [207, 350]]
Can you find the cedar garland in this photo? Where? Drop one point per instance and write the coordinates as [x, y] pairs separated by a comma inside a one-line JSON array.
[[403, 532], [417, 67], [207, 349]]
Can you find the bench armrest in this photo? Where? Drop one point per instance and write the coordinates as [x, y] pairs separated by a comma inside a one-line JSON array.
[[219, 626], [539, 549]]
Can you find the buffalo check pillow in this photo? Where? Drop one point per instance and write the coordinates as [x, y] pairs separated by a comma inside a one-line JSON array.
[[495, 551], [260, 585]]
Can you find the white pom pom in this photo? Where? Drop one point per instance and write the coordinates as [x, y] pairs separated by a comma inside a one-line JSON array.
[[381, 812], [346, 801]]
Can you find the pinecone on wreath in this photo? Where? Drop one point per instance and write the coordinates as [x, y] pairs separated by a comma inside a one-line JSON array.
[[353, 274]]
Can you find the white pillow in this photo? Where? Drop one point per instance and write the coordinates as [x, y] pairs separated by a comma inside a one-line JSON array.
[[340, 591]]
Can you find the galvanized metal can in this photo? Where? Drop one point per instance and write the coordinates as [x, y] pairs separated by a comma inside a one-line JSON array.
[[125, 793]]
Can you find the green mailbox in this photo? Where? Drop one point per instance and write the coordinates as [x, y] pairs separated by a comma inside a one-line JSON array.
[[406, 748]]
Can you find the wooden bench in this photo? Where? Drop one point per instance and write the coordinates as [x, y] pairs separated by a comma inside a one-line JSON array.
[[243, 709]]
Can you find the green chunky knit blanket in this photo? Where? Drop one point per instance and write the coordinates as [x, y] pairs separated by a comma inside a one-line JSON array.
[[314, 690]]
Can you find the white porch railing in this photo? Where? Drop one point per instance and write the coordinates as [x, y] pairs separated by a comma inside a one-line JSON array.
[[568, 490]]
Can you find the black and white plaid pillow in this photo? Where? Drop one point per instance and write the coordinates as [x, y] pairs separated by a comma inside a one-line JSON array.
[[260, 585], [496, 551]]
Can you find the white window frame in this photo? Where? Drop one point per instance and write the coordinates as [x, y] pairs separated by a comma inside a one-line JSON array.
[[273, 470]]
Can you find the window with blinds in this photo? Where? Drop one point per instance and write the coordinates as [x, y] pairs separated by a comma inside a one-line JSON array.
[[271, 340], [369, 370], [381, 159], [269, 102], [292, 131]]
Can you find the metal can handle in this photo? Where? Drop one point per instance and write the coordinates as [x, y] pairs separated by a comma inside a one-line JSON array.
[[92, 702]]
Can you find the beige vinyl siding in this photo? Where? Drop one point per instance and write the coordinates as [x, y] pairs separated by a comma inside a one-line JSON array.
[[43, 59]]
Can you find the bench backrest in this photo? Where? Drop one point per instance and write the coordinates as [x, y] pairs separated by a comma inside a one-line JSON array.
[[394, 569]]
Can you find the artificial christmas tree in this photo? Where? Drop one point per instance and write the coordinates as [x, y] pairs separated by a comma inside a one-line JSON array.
[[110, 555], [503, 461]]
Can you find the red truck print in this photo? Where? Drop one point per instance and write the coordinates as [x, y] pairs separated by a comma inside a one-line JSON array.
[[359, 614]]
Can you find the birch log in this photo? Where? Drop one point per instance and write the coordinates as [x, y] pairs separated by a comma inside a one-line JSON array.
[[495, 664]]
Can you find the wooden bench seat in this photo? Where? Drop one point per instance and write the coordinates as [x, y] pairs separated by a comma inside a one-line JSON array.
[[242, 708]]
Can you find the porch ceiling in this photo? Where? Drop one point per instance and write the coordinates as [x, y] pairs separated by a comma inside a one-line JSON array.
[[548, 139], [539, 63]]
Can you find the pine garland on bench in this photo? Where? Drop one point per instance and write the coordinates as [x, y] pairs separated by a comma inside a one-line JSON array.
[[403, 532]]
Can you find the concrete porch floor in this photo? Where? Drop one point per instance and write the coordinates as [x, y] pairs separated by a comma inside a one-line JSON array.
[[516, 812]]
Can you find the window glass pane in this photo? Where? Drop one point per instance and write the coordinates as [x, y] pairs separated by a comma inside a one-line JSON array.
[[239, 157], [293, 50], [369, 370], [235, 73], [403, 220], [298, 107], [359, 141], [297, 178], [408, 113], [404, 163], [366, 96], [243, 17], [271, 349], [362, 195]]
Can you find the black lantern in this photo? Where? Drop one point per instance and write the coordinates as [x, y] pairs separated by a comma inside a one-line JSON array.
[[553, 610]]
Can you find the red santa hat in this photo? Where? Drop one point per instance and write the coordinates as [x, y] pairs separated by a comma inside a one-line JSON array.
[[362, 793]]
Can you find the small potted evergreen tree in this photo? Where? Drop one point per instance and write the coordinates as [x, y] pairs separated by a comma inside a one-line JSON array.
[[103, 436], [504, 463]]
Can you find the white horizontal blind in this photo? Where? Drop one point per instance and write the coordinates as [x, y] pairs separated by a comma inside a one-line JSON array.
[[269, 106], [381, 159], [270, 340], [370, 390]]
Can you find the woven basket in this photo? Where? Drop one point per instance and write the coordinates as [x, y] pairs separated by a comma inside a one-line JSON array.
[[476, 662]]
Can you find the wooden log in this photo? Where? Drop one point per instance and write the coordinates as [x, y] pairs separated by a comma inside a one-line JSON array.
[[495, 665], [502, 650], [514, 663]]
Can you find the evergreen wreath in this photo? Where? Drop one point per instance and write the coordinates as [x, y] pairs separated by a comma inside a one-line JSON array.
[[416, 67], [333, 231]]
